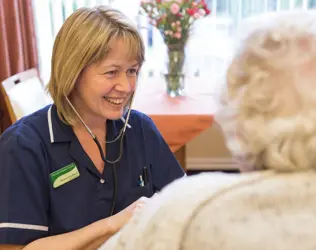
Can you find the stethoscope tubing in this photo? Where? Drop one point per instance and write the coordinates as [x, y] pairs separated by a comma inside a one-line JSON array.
[[97, 142]]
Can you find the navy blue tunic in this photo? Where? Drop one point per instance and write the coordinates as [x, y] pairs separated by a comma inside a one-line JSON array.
[[40, 144]]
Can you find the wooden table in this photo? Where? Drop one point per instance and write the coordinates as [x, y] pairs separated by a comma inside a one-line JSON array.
[[179, 119]]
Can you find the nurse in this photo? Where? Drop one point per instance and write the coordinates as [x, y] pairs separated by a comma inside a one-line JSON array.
[[72, 174]]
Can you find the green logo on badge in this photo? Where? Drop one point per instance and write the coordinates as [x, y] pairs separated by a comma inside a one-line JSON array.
[[64, 175]]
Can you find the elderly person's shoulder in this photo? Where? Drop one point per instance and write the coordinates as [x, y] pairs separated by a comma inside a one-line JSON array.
[[258, 212], [193, 211], [168, 209]]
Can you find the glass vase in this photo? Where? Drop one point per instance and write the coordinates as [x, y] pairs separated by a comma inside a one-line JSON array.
[[174, 77]]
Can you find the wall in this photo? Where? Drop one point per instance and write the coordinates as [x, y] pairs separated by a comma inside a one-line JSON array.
[[208, 152]]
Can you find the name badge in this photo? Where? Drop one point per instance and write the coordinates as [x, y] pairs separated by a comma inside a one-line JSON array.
[[64, 175]]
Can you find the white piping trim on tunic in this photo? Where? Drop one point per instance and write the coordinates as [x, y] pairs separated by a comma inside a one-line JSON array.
[[23, 226], [127, 125], [50, 125]]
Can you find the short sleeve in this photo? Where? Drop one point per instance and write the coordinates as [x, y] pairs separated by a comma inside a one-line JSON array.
[[164, 166], [23, 187]]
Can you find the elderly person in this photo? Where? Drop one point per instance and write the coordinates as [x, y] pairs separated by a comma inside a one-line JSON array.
[[269, 121]]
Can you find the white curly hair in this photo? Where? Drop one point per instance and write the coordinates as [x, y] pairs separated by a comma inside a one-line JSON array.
[[268, 113]]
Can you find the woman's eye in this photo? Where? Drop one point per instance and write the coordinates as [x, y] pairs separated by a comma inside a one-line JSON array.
[[111, 73], [132, 71]]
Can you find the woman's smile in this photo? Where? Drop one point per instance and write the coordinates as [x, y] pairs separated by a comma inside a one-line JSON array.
[[115, 100]]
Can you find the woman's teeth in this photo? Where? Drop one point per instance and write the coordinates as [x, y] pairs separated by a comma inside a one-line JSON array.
[[116, 101]]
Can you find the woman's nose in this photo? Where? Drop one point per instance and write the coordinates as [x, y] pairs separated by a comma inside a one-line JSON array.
[[124, 84]]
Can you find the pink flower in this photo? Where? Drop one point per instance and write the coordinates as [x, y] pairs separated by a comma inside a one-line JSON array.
[[174, 8], [196, 15], [168, 33], [153, 22], [207, 11], [177, 35], [190, 12], [202, 12]]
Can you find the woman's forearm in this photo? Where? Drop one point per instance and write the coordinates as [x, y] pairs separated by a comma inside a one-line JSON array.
[[87, 238]]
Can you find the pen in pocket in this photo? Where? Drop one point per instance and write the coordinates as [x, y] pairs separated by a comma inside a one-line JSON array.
[[141, 181], [145, 175]]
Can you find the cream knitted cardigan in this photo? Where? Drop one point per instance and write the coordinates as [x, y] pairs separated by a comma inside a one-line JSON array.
[[256, 211]]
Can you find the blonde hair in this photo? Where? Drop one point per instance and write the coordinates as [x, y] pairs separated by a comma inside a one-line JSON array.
[[269, 104], [84, 39]]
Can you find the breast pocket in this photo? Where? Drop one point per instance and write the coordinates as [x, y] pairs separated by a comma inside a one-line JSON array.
[[134, 194], [138, 192], [143, 186]]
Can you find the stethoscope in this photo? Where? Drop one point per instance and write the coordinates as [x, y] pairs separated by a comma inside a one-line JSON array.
[[119, 136]]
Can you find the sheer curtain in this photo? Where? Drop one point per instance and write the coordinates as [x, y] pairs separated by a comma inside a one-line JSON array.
[[50, 15], [209, 48]]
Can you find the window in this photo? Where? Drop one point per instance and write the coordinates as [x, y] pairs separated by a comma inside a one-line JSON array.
[[209, 48]]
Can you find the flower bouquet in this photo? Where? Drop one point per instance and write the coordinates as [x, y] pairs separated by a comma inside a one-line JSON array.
[[174, 19]]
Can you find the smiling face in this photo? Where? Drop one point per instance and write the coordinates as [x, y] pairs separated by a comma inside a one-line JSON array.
[[104, 88]]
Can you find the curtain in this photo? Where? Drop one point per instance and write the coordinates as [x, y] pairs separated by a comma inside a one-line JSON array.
[[18, 51]]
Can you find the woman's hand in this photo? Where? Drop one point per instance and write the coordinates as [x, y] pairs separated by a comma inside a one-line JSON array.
[[117, 221]]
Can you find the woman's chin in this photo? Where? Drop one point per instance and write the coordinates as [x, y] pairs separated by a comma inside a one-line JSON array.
[[113, 111], [113, 115]]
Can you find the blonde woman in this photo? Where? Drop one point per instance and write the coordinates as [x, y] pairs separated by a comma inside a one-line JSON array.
[[72, 174], [269, 120]]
